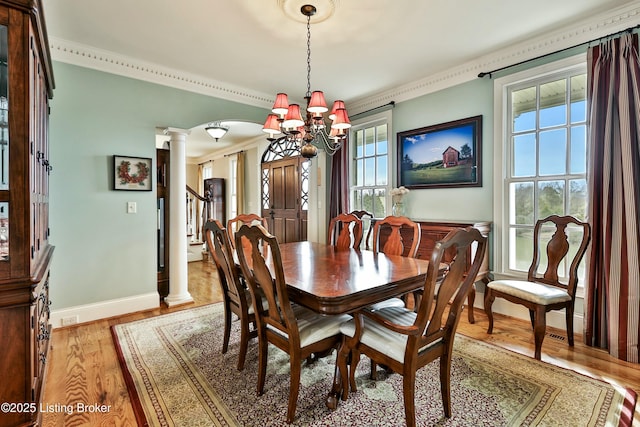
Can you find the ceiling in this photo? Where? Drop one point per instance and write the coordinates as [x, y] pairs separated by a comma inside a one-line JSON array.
[[359, 48]]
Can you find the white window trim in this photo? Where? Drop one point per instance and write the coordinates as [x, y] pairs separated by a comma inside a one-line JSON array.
[[384, 117], [501, 153]]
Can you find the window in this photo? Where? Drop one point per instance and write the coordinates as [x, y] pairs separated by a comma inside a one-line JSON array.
[[370, 168], [543, 120]]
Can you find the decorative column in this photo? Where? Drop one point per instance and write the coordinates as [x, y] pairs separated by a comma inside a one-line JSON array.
[[178, 270]]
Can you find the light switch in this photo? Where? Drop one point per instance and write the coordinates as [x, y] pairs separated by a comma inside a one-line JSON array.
[[131, 207]]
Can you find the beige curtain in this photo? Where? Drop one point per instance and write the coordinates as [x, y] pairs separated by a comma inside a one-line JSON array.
[[240, 183], [199, 207]]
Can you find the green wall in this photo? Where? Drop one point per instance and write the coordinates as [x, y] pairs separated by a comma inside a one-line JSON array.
[[103, 253], [466, 100]]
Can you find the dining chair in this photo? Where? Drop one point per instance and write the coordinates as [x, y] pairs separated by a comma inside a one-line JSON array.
[[546, 291], [236, 297], [365, 216], [235, 223], [345, 231], [405, 340], [394, 244], [292, 328]]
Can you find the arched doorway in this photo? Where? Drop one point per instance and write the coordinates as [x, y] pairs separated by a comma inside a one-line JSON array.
[[285, 191]]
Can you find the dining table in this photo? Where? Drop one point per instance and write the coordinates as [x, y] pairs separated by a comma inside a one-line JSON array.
[[332, 281]]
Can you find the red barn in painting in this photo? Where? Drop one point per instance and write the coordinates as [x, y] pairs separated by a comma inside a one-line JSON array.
[[450, 157]]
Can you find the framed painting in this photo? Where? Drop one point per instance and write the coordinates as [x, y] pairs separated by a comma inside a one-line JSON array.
[[446, 155], [132, 173]]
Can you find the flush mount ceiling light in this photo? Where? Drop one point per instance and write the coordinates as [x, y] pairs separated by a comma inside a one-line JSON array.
[[310, 133], [216, 130]]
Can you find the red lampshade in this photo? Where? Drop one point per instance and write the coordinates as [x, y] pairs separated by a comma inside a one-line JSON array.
[[336, 105], [272, 126], [281, 105], [317, 104], [341, 120], [293, 119]]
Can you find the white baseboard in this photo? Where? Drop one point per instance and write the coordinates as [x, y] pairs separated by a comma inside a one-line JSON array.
[[555, 319], [103, 309]]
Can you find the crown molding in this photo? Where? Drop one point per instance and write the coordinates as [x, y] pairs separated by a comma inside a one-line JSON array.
[[109, 62], [579, 33]]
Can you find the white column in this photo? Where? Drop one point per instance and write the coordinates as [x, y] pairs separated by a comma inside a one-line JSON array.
[[178, 270]]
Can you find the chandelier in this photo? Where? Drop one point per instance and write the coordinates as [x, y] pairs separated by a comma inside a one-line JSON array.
[[310, 133]]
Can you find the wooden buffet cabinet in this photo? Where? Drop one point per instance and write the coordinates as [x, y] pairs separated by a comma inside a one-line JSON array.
[[433, 231], [26, 85]]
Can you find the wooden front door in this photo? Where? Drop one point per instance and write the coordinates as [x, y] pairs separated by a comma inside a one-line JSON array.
[[282, 203]]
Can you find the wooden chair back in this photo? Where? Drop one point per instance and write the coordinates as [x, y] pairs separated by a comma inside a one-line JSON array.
[[556, 230], [394, 244], [235, 297], [438, 313], [235, 223], [264, 275], [365, 216], [345, 231]]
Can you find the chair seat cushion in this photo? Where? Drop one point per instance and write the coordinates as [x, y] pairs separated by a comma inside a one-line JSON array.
[[536, 293], [314, 327], [382, 339], [391, 302], [250, 310]]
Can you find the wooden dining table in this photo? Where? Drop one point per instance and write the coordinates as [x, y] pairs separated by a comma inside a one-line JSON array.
[[333, 281], [328, 280]]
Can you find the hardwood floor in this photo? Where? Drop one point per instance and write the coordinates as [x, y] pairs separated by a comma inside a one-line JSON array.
[[84, 367]]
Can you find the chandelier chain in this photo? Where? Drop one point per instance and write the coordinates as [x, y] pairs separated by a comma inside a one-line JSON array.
[[308, 56]]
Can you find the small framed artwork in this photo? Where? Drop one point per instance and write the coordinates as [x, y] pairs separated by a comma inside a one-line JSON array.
[[132, 173], [446, 155]]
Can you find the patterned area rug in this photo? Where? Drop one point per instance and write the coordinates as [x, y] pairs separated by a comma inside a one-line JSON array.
[[177, 376]]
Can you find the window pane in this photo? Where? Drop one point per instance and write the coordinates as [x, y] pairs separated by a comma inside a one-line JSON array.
[[357, 200], [379, 209], [524, 155], [578, 149], [359, 172], [522, 210], [370, 171], [367, 200], [381, 139], [553, 103], [359, 143], [523, 109], [578, 98], [578, 198], [550, 198], [553, 152], [369, 142], [521, 240], [381, 174]]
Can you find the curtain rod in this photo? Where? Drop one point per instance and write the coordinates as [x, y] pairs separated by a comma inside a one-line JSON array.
[[391, 103], [233, 154], [489, 73]]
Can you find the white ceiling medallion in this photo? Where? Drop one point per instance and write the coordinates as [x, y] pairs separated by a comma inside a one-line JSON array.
[[324, 9]]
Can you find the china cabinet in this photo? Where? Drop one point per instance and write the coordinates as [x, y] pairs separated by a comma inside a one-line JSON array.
[[26, 85]]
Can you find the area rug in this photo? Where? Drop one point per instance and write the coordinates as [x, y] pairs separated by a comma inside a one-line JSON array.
[[177, 376]]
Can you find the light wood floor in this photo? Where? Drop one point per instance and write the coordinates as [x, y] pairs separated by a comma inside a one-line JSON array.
[[84, 367]]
